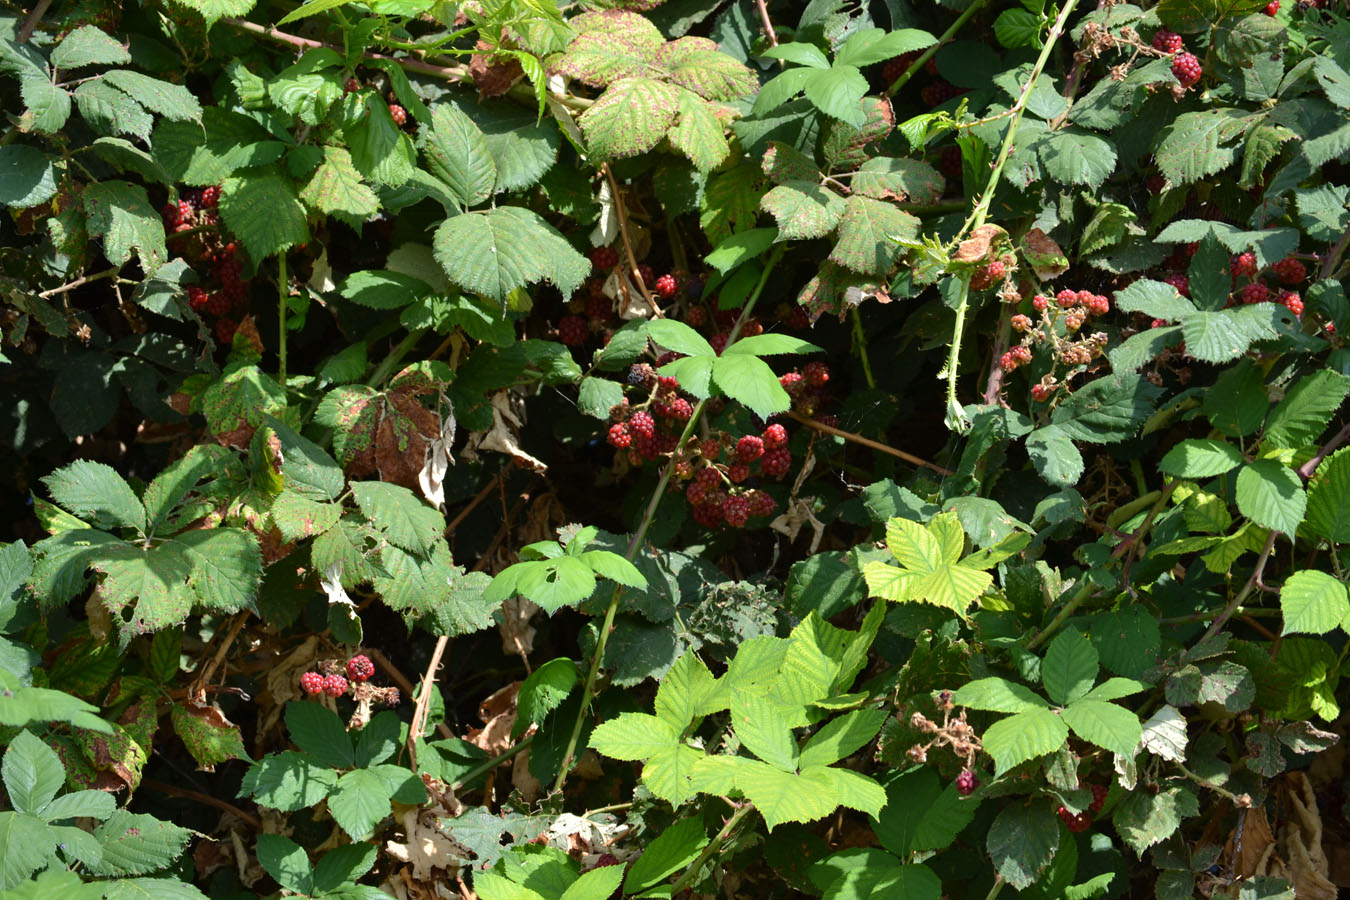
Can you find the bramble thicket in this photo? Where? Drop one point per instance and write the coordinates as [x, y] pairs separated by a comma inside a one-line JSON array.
[[655, 448]]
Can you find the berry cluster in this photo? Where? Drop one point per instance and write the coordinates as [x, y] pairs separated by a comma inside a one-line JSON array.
[[808, 390], [1289, 271], [192, 223], [651, 429], [1082, 821], [1061, 319], [716, 492], [333, 683]]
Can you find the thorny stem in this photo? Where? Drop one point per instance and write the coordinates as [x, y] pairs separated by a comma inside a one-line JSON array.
[[450, 73], [602, 639], [80, 282], [1308, 468], [768, 24], [713, 846], [866, 442], [956, 415], [488, 765], [860, 342], [30, 23], [1252, 583], [424, 697], [628, 244], [283, 295], [928, 54]]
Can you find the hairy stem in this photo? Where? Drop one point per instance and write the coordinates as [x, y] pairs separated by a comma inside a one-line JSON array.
[[602, 639], [772, 35], [928, 54], [956, 415], [283, 295], [449, 73], [713, 846]]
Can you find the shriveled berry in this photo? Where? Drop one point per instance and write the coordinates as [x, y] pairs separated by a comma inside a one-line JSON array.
[[399, 113], [619, 436], [775, 436], [967, 782], [360, 668], [334, 685], [665, 286], [573, 330], [749, 448], [1167, 41], [1290, 271], [642, 424], [311, 683], [1187, 69]]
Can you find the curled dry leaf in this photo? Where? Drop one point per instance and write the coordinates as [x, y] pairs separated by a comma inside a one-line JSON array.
[[427, 851], [1301, 835], [1044, 255], [493, 75], [977, 247], [498, 712], [503, 436]]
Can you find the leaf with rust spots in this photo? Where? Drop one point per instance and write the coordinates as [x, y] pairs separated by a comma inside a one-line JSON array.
[[353, 412], [140, 719], [1044, 255], [845, 146], [976, 248], [207, 734], [117, 755], [405, 430], [784, 163], [235, 405]]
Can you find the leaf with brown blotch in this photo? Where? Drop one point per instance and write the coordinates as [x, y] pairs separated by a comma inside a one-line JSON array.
[[493, 76], [976, 248], [1044, 255]]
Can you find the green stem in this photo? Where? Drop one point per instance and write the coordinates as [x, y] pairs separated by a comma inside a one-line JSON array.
[[1083, 592], [597, 657], [283, 295], [996, 889], [928, 54], [713, 846], [395, 357], [956, 415], [488, 765], [860, 342]]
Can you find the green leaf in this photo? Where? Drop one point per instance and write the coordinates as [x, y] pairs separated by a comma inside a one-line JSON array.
[[121, 214], [264, 212], [868, 230], [286, 861], [1104, 724], [27, 844], [677, 336], [1329, 498], [803, 209], [337, 188], [496, 252], [741, 248], [1271, 495], [380, 150], [998, 695], [543, 691], [1313, 603], [1017, 28], [597, 884], [1225, 334], [929, 571], [209, 737], [1072, 156], [97, 493], [1200, 458], [771, 345], [1027, 735], [631, 117], [137, 844], [26, 176], [688, 691], [633, 736], [457, 152], [172, 101], [1069, 667], [610, 45], [898, 178], [841, 737], [435, 590], [672, 850], [1143, 819], [922, 813], [32, 773], [48, 105], [696, 64], [211, 152], [1056, 458], [838, 92], [1236, 405], [306, 9], [1306, 410], [289, 781], [1193, 146], [406, 521], [764, 727], [1107, 410], [215, 10], [91, 804], [88, 46], [697, 133], [799, 53], [873, 45], [1022, 840], [320, 733], [383, 289], [343, 864], [749, 380], [359, 801], [111, 111]]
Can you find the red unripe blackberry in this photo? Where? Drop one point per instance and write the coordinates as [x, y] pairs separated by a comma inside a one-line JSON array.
[[816, 373], [710, 478], [736, 510], [1290, 270], [1067, 298], [775, 436], [697, 316], [1098, 305], [1244, 265], [218, 303], [604, 257], [666, 383], [776, 463], [896, 67], [761, 503], [169, 213], [939, 92], [311, 683], [738, 472], [966, 782], [573, 330], [606, 859], [196, 298], [995, 270], [334, 685], [1167, 41], [1187, 69], [351, 86], [211, 197], [749, 448], [710, 449], [642, 424], [1256, 292], [1158, 323], [1272, 8], [1020, 322], [680, 409], [1040, 393], [1039, 303], [225, 329], [1098, 797], [719, 342], [360, 668], [665, 286], [619, 436], [695, 493], [1181, 282], [791, 382], [185, 211], [399, 113], [1292, 302]]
